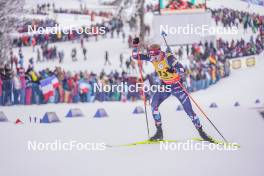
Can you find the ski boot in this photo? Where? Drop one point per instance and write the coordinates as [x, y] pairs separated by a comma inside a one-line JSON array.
[[158, 136], [204, 136]]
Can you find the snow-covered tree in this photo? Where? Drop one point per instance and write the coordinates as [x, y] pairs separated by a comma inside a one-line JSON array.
[[132, 11], [8, 11], [141, 19]]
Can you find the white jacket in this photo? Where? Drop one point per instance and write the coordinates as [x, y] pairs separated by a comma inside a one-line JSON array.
[[16, 83]]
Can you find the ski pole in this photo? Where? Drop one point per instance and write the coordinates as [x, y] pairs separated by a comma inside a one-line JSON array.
[[201, 110], [163, 35], [144, 96], [196, 104]]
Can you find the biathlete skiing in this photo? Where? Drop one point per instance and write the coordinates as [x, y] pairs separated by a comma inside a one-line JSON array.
[[170, 72]]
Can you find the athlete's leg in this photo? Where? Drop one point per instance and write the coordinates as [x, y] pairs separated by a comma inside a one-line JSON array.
[[178, 92], [157, 99], [183, 97]]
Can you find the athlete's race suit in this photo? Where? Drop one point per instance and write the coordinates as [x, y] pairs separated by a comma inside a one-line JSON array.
[[168, 61]]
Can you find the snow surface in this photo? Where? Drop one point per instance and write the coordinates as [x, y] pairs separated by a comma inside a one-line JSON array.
[[95, 55], [239, 124]]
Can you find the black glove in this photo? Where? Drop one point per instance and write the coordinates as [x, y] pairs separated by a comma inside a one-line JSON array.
[[136, 41]]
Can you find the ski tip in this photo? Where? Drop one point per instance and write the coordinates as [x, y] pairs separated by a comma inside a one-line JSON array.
[[219, 142]]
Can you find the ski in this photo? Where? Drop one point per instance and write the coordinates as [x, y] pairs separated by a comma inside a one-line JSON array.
[[149, 142], [218, 142], [145, 142]]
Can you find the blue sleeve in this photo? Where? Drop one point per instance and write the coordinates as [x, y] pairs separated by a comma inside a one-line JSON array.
[[142, 56], [173, 63]]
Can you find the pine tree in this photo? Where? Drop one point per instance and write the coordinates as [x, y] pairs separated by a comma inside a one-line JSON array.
[[8, 20]]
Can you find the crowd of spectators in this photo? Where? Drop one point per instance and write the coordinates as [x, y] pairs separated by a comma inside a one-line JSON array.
[[111, 26], [208, 63], [240, 47], [20, 86], [42, 9], [35, 24], [23, 86], [225, 49], [84, 12], [229, 17]]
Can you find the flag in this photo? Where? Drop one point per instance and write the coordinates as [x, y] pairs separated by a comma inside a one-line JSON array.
[[55, 82], [47, 88]]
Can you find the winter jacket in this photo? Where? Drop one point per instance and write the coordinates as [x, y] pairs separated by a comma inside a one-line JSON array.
[[8, 74], [16, 83]]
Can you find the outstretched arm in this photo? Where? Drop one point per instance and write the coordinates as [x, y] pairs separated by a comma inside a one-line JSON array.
[[135, 53]]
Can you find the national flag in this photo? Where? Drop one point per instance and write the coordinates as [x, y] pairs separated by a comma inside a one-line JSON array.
[[47, 88], [55, 82]]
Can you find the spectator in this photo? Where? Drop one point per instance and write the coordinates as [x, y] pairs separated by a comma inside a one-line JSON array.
[[16, 89], [7, 85], [121, 58], [73, 54], [84, 53], [107, 61], [1, 91]]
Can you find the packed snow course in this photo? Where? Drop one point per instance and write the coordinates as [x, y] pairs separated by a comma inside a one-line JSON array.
[[242, 124]]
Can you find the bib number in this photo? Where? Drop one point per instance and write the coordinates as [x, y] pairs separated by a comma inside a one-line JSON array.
[[163, 74]]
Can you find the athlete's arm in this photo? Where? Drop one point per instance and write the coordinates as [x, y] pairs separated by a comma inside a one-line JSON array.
[[175, 66], [135, 53]]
